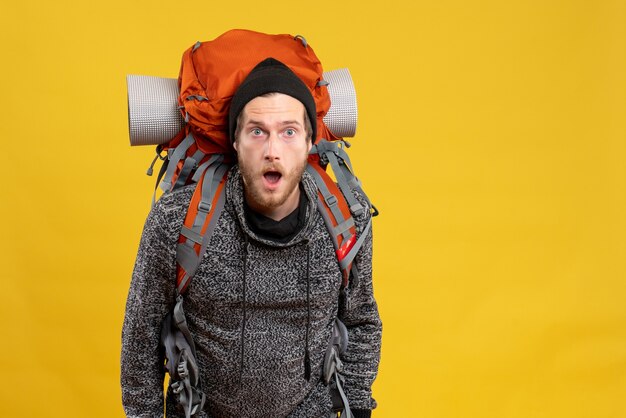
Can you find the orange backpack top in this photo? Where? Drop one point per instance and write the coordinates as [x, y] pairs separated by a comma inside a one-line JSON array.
[[212, 71]]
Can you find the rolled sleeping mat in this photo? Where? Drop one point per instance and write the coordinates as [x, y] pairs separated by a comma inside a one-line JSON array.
[[154, 118]]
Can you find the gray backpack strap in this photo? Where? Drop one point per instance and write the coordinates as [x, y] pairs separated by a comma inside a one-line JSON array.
[[190, 164], [333, 367], [174, 158], [180, 350], [342, 224], [150, 171], [334, 153], [349, 257], [186, 256], [181, 365]]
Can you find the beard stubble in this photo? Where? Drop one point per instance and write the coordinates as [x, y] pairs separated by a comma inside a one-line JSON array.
[[262, 200]]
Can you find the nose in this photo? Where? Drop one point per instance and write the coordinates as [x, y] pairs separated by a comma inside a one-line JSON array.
[[272, 147]]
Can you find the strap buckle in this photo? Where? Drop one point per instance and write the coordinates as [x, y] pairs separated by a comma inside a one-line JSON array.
[[204, 207]]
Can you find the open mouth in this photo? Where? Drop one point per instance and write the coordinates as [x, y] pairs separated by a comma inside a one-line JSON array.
[[272, 177]]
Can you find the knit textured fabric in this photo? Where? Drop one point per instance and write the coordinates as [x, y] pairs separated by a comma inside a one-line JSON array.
[[247, 308]]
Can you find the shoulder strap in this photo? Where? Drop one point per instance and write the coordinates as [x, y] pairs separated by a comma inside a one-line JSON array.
[[337, 217], [336, 201], [204, 210]]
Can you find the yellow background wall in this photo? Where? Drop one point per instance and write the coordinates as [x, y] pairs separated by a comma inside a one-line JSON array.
[[492, 137]]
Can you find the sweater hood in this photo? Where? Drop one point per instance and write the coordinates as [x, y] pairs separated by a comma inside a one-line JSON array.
[[235, 202]]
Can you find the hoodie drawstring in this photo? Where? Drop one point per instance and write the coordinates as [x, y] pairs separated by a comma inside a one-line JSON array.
[[243, 325], [307, 358]]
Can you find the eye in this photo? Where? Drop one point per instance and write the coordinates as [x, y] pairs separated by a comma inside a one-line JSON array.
[[256, 132], [289, 132]]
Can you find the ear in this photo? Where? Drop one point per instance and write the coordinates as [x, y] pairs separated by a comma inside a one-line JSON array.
[[236, 145]]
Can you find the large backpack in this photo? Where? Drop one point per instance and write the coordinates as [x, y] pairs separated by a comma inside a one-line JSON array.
[[201, 153]]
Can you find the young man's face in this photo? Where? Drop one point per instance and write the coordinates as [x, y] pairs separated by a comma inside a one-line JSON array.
[[272, 150]]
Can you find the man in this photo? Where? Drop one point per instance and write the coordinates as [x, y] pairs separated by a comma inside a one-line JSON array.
[[263, 301]]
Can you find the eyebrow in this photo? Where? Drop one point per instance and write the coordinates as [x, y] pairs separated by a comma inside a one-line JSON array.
[[287, 122]]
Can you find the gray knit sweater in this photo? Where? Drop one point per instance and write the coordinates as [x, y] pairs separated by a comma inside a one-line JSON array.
[[250, 309]]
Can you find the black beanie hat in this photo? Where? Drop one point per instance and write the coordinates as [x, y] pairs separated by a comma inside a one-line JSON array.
[[271, 76]]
